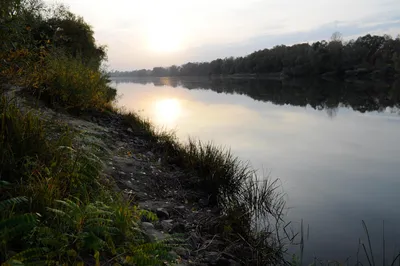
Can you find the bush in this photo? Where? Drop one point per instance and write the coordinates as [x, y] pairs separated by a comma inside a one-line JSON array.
[[66, 81]]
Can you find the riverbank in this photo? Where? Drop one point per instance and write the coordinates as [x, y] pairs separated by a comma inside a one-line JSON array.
[[193, 204]]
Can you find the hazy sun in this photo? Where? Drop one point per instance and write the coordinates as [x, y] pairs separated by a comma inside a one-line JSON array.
[[164, 34], [167, 111], [164, 40]]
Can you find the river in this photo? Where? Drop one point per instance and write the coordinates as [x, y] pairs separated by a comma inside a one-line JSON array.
[[334, 147]]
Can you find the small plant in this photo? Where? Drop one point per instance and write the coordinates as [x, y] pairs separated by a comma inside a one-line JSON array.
[[12, 225]]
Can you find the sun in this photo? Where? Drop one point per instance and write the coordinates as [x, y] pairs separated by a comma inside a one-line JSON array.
[[165, 36], [164, 41], [167, 111]]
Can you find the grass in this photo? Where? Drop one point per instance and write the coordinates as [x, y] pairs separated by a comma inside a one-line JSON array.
[[365, 254], [56, 208], [251, 209], [62, 80]]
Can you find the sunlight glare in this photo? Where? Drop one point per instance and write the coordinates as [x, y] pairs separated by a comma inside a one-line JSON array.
[[164, 40], [164, 29], [167, 111]]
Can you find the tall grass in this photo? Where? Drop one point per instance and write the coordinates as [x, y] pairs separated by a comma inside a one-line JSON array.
[[251, 209], [64, 80], [365, 255], [55, 208], [57, 77]]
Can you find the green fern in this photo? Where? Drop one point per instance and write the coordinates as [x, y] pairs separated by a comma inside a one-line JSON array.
[[4, 184], [149, 254], [12, 202], [150, 216], [13, 225], [27, 256]]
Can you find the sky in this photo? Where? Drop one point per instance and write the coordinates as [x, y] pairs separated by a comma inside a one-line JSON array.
[[149, 33]]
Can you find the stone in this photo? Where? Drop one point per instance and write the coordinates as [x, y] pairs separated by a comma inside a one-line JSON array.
[[162, 214], [204, 202], [178, 228], [211, 257], [130, 130], [233, 263], [183, 252], [227, 262], [153, 234], [147, 226], [167, 225], [173, 254]]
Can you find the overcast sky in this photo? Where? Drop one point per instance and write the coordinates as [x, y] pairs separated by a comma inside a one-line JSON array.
[[148, 33]]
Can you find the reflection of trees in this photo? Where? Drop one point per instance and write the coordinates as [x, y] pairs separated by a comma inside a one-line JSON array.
[[163, 81], [331, 112], [130, 80], [319, 94]]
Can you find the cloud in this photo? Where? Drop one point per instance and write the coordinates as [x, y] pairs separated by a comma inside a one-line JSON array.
[[349, 30], [220, 28]]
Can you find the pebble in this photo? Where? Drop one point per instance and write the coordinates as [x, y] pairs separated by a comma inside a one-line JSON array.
[[162, 214], [167, 225], [147, 226]]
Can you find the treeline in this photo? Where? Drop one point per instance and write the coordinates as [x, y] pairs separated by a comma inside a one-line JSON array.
[[372, 56], [316, 93], [53, 53]]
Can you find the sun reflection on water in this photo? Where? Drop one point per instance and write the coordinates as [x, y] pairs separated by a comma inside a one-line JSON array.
[[167, 111]]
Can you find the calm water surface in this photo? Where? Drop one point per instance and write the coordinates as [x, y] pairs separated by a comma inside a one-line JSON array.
[[335, 147]]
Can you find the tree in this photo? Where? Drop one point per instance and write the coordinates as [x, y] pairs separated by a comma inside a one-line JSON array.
[[337, 37], [367, 54]]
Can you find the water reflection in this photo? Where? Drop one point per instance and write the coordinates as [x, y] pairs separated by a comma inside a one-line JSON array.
[[167, 111], [334, 146], [361, 96]]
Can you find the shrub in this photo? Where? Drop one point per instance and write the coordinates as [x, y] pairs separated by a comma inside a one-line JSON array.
[[66, 81]]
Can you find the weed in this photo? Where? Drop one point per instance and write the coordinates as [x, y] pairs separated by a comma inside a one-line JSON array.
[[251, 210]]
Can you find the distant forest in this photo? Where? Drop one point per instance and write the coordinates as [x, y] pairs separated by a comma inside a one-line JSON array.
[[367, 56], [361, 96]]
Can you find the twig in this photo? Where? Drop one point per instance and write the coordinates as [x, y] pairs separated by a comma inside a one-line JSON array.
[[206, 245]]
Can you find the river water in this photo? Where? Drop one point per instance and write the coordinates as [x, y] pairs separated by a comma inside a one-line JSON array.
[[334, 147]]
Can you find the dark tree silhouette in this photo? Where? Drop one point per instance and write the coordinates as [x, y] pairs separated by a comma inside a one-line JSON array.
[[367, 56]]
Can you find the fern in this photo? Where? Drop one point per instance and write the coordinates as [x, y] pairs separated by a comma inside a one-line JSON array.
[[4, 184], [33, 254], [58, 212], [14, 225], [17, 224], [150, 216], [12, 202]]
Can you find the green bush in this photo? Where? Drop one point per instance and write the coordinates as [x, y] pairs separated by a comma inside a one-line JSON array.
[[66, 81]]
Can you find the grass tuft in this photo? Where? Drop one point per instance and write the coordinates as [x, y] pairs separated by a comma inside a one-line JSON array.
[[251, 209]]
